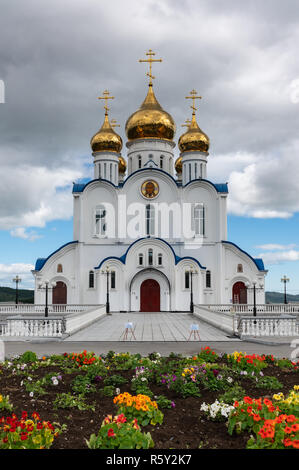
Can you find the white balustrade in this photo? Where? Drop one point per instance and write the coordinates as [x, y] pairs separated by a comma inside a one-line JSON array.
[[268, 326]]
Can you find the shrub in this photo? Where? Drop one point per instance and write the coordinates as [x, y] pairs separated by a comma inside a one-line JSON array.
[[28, 356], [82, 385], [289, 404], [5, 404], [140, 407], [118, 433], [115, 380], [67, 400], [26, 433], [163, 402], [217, 411], [235, 393], [279, 433], [269, 383]]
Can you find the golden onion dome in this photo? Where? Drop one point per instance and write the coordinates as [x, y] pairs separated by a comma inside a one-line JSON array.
[[122, 165], [106, 139], [178, 165], [150, 121], [194, 140]]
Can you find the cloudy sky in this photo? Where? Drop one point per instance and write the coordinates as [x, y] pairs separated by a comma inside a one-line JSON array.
[[57, 57]]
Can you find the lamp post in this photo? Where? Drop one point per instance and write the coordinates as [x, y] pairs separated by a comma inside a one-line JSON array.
[[47, 285], [285, 279], [254, 288], [107, 272], [17, 279], [191, 288]]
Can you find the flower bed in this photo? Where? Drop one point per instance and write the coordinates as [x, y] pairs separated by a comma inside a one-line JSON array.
[[128, 401]]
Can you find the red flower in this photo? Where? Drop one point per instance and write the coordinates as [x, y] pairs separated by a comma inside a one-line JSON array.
[[111, 433]]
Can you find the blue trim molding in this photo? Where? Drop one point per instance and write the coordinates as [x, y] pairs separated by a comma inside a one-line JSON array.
[[220, 187], [123, 258], [40, 262], [257, 261]]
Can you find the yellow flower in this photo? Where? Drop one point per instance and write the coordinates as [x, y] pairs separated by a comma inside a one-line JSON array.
[[1, 398]]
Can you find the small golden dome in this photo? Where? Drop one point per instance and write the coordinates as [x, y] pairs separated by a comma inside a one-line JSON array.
[[122, 165], [106, 139], [178, 165], [194, 140], [150, 121]]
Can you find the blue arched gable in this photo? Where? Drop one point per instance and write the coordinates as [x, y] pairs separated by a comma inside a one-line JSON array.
[[40, 262], [123, 258], [80, 187], [220, 188], [257, 261]]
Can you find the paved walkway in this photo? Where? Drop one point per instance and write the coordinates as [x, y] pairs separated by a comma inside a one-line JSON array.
[[148, 327]]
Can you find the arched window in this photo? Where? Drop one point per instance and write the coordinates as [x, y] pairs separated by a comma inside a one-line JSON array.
[[161, 161], [100, 221], [160, 259], [113, 280], [140, 259], [150, 257], [59, 268], [187, 280], [139, 161], [240, 268], [150, 219], [91, 280], [195, 170], [208, 279], [199, 219]]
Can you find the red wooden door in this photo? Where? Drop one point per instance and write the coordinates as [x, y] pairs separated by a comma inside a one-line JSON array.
[[59, 293], [239, 293], [150, 296]]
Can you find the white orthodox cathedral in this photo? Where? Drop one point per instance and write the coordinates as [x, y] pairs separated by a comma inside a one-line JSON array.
[[152, 227]]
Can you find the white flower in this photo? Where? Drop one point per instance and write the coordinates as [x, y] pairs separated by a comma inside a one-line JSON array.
[[31, 394], [55, 381], [117, 391], [229, 379], [30, 379]]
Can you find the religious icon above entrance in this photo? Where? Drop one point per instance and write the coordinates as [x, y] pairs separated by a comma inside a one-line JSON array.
[[150, 189]]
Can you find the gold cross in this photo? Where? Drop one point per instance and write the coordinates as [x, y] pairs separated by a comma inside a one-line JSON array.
[[106, 97], [150, 60], [114, 123], [188, 122], [193, 97]]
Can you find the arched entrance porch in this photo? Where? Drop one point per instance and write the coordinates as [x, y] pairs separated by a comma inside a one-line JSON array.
[[239, 294], [150, 291], [59, 293]]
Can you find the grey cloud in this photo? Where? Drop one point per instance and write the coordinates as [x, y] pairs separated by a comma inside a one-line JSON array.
[[57, 57]]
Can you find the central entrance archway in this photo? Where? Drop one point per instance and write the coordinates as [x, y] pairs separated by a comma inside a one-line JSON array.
[[150, 296]]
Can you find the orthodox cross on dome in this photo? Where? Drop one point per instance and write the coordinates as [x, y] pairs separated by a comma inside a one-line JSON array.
[[188, 122], [113, 123], [193, 97], [106, 97], [150, 61]]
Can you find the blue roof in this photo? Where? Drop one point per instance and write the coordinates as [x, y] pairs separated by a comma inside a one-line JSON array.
[[257, 261], [40, 262], [123, 258]]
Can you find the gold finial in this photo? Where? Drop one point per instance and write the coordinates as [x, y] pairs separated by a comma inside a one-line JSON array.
[[150, 60], [106, 97], [193, 97], [188, 122], [113, 123]]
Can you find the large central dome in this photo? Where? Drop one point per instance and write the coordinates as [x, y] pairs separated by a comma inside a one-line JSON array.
[[150, 121]]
